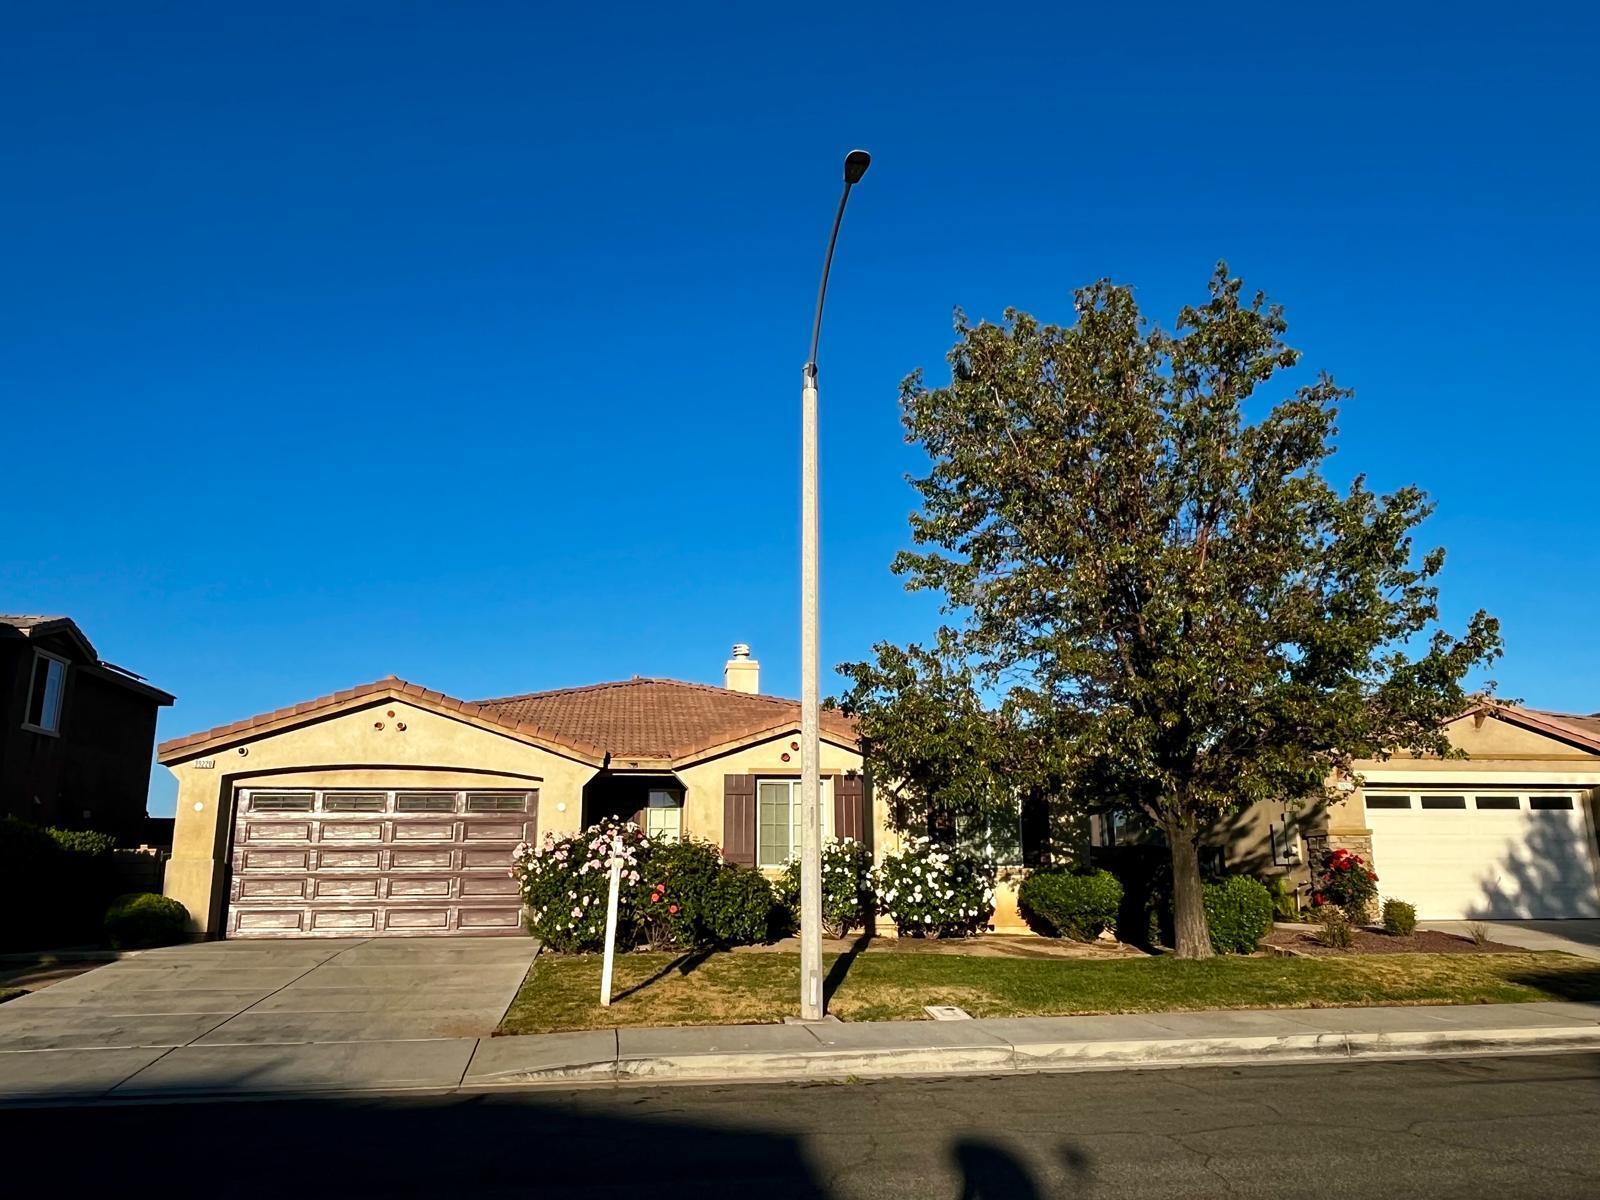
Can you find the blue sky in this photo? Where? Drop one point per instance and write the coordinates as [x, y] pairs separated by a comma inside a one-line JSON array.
[[463, 342]]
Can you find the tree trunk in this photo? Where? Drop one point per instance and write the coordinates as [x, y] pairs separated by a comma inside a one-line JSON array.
[[1190, 930]]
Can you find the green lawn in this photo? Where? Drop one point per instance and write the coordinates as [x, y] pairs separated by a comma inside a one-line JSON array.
[[663, 989]]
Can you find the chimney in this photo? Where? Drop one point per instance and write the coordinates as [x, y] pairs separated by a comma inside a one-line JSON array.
[[742, 673]]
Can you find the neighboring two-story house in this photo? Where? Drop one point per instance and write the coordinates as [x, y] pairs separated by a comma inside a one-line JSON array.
[[76, 733]]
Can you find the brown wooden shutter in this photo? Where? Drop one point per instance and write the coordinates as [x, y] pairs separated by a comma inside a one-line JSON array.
[[739, 819], [850, 807]]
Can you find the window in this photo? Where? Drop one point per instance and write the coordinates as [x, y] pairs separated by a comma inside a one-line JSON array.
[[424, 802], [1497, 802], [373, 802], [280, 802], [1539, 803], [44, 693], [778, 820], [1388, 801], [663, 815], [493, 802], [1444, 802]]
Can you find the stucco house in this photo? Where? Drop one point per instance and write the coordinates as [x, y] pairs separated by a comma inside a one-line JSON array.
[[390, 809]]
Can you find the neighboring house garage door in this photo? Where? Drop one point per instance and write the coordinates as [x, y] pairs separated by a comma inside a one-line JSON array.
[[376, 863], [1464, 854]]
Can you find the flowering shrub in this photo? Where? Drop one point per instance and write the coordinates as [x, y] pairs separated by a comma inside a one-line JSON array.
[[565, 879], [673, 894], [1345, 881], [846, 887], [930, 889]]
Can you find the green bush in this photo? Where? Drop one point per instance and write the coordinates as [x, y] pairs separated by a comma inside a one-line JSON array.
[[1399, 918], [1239, 911], [741, 906], [145, 919], [55, 883], [1334, 928], [1061, 903], [1285, 899], [674, 895], [846, 887]]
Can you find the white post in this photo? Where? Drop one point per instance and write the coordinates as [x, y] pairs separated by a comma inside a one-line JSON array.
[[810, 741], [611, 922]]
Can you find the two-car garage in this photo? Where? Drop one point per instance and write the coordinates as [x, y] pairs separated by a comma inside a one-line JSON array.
[[1462, 853], [376, 862]]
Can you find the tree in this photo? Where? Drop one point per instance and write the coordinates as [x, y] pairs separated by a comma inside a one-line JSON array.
[[1171, 592]]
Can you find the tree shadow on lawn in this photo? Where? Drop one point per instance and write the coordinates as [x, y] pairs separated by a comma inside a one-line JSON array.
[[1580, 986]]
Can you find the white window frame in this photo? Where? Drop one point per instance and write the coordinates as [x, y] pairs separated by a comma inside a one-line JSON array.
[[765, 859], [663, 814], [49, 720]]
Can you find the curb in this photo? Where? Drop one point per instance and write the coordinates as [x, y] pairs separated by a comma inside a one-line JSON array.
[[1030, 1058]]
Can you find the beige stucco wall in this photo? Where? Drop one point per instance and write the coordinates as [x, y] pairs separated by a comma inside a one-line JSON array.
[[434, 750]]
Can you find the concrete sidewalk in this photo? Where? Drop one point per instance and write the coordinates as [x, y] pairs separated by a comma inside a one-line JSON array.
[[826, 1050]]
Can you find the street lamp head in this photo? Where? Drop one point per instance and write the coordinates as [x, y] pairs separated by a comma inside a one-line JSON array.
[[855, 165]]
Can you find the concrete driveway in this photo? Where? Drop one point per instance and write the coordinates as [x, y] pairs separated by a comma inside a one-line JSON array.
[[1580, 937], [409, 1007]]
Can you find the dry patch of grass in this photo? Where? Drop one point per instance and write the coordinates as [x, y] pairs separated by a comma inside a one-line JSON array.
[[721, 989]]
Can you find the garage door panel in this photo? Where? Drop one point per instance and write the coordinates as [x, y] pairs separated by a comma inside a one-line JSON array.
[[414, 860], [438, 885], [275, 860], [495, 918], [251, 888], [283, 920], [384, 863], [336, 920], [327, 889], [1486, 859], [349, 860]]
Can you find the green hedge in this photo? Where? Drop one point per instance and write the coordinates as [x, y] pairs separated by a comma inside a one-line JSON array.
[[142, 919], [54, 885], [1239, 911], [1061, 903], [741, 907]]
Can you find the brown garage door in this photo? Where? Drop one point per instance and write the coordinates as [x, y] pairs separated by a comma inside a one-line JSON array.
[[376, 863]]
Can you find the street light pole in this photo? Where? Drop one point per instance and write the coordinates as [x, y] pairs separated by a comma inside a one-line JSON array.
[[811, 999]]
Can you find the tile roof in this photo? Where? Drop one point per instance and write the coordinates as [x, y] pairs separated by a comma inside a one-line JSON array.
[[653, 720], [645, 718]]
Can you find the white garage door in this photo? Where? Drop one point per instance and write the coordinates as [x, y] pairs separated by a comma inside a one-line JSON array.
[[1503, 854]]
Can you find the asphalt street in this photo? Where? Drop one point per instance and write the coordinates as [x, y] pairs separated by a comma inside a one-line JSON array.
[[1478, 1127]]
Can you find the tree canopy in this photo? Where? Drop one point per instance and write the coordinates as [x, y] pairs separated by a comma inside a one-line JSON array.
[[1176, 611]]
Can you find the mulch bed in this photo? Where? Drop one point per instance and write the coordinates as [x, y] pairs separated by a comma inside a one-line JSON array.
[[1368, 941]]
